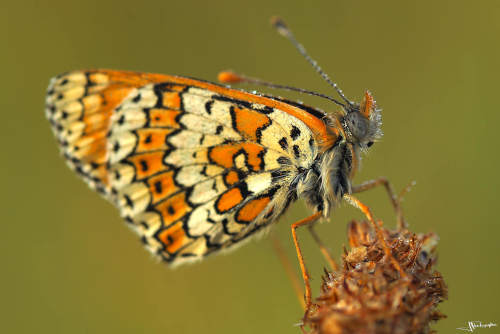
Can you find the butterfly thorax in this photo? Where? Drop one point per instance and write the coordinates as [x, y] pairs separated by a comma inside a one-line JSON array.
[[352, 130]]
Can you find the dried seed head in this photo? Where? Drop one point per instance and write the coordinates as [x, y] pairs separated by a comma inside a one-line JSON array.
[[369, 296]]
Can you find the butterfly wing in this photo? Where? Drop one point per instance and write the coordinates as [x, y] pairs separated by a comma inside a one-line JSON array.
[[194, 167]]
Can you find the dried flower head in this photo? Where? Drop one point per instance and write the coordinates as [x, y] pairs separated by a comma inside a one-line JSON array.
[[369, 295]]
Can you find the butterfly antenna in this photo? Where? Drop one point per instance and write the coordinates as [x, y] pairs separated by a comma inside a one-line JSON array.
[[283, 30], [230, 77]]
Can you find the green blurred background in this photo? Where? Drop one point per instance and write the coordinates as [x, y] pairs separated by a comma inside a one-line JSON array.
[[70, 265]]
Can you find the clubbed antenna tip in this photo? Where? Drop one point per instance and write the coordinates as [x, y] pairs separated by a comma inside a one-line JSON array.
[[229, 77], [280, 26]]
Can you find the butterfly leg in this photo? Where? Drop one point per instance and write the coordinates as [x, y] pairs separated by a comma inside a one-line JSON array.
[[395, 200], [289, 269], [324, 250], [305, 275], [367, 212]]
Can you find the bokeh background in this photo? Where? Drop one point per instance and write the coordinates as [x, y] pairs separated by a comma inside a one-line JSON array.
[[70, 265]]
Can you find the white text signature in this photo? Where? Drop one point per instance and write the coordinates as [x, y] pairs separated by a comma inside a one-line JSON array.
[[472, 325]]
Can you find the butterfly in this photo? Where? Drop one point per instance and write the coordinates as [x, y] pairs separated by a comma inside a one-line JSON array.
[[196, 167]]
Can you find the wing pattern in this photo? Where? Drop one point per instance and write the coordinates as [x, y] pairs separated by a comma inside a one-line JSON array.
[[193, 170]]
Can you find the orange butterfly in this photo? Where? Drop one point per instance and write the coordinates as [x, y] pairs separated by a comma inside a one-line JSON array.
[[195, 167]]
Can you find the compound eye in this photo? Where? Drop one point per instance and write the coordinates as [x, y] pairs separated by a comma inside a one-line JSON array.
[[370, 143]]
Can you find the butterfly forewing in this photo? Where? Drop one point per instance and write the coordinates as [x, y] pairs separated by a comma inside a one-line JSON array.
[[194, 167]]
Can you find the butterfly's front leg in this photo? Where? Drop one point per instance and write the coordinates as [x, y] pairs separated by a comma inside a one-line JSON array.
[[395, 200], [367, 212]]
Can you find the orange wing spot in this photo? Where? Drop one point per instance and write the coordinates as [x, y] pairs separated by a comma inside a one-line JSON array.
[[229, 200], [113, 95], [173, 208], [148, 164], [249, 121], [95, 121], [163, 118], [152, 139], [162, 186], [171, 100], [231, 178], [174, 238], [223, 155], [254, 152], [252, 209]]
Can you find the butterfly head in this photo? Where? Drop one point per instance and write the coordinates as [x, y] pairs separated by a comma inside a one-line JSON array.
[[362, 122]]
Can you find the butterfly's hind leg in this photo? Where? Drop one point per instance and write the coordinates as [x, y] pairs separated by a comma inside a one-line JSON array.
[[305, 275], [286, 263], [289, 269], [324, 250]]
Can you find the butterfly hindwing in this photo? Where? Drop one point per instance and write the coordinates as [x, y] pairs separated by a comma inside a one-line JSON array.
[[193, 169]]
